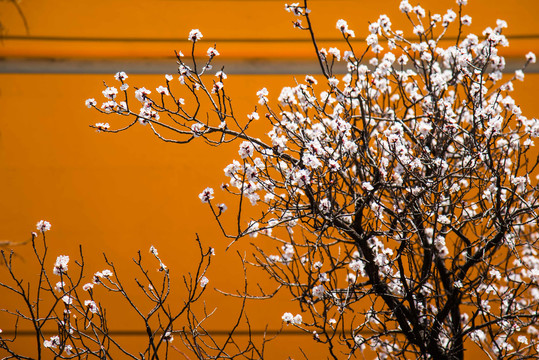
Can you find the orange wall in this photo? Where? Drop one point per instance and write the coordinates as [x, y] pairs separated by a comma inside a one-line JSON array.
[[234, 22], [121, 193]]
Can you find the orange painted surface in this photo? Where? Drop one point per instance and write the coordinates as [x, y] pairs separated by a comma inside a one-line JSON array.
[[122, 193], [230, 21]]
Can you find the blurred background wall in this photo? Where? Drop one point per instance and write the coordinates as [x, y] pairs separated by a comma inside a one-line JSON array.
[[121, 193]]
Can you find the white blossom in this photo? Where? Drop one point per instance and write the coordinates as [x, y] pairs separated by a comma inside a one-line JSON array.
[[222, 208], [110, 92], [262, 96], [142, 94], [246, 150], [53, 342], [318, 291], [90, 103], [405, 6], [206, 195], [288, 318], [212, 52], [43, 225], [102, 126], [121, 76], [107, 273], [162, 90], [60, 286], [194, 35], [87, 286], [92, 306], [60, 266]]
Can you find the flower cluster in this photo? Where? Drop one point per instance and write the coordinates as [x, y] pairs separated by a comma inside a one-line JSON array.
[[60, 267], [43, 225], [206, 195], [102, 126], [195, 35], [288, 318]]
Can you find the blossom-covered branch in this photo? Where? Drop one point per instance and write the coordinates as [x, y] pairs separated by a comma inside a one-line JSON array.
[[73, 308], [403, 195]]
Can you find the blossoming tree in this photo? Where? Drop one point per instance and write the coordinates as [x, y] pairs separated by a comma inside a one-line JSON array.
[[402, 194], [70, 304]]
